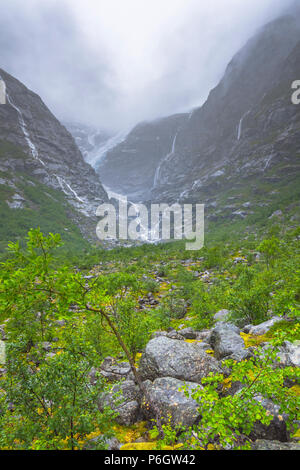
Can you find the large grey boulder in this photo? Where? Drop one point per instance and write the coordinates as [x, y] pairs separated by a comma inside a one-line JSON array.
[[165, 357], [174, 406], [288, 354], [226, 341], [124, 399], [264, 327]]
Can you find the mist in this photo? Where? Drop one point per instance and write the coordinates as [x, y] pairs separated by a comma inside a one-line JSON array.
[[113, 63]]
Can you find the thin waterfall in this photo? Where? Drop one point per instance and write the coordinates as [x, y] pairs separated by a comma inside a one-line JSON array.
[[34, 152], [165, 159]]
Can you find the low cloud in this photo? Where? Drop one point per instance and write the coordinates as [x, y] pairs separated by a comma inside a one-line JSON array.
[[113, 63]]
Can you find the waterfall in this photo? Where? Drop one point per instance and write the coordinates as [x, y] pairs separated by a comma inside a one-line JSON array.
[[63, 183], [34, 152], [96, 156], [240, 128], [163, 160]]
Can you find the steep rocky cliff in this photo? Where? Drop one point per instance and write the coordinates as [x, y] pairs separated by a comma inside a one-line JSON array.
[[131, 167], [240, 149], [36, 147]]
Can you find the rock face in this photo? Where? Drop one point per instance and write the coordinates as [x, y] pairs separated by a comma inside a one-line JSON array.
[[165, 357], [131, 167], [166, 393], [246, 134], [51, 154]]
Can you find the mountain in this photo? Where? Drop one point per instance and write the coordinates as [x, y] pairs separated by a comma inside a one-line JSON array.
[[43, 176], [239, 151], [130, 167], [88, 139]]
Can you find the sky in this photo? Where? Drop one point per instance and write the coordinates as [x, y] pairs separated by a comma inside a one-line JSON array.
[[113, 63]]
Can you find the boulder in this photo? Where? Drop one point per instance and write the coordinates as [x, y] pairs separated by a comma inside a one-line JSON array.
[[263, 328], [222, 315], [263, 444], [227, 343], [2, 352], [165, 357], [113, 371], [288, 354], [188, 333], [277, 429], [174, 406], [175, 335], [124, 398]]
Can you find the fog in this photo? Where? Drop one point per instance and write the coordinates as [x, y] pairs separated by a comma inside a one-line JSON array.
[[113, 63]]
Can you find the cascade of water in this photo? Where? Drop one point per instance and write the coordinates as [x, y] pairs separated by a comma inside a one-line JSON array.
[[96, 156], [35, 153], [240, 127], [64, 184], [163, 160], [32, 147]]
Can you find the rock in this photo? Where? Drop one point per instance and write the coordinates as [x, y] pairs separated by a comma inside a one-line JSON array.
[[277, 429], [2, 352], [174, 406], [203, 335], [113, 371], [222, 315], [124, 399], [227, 343], [189, 333], [276, 214], [263, 444], [165, 357], [109, 444], [156, 334], [263, 328], [2, 333], [175, 335], [46, 346], [288, 354]]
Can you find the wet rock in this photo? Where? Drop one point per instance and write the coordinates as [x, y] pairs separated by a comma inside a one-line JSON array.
[[166, 393], [165, 357]]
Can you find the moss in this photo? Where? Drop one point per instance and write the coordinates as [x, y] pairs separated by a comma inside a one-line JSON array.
[[127, 434], [251, 340], [148, 446]]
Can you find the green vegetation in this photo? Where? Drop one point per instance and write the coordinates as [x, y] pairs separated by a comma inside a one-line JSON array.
[[62, 321]]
